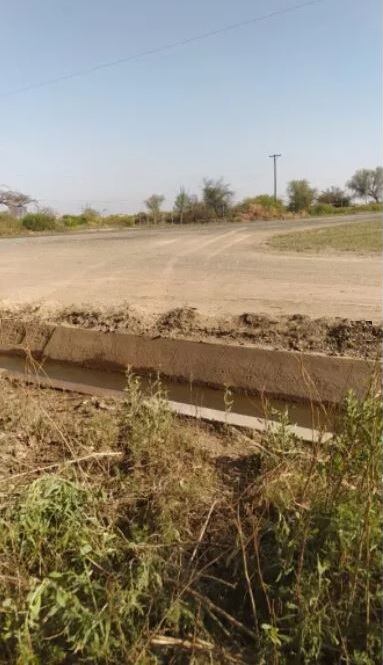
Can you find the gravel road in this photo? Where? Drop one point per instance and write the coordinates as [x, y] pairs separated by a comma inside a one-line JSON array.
[[220, 269]]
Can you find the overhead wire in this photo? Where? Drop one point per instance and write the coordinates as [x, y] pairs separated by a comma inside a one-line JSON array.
[[159, 49]]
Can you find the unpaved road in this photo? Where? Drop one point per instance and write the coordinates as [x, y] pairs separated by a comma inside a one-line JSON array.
[[221, 269]]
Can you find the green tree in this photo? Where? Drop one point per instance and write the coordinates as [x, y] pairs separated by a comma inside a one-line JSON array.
[[90, 215], [301, 195], [367, 183], [153, 204], [182, 204], [334, 196], [217, 196]]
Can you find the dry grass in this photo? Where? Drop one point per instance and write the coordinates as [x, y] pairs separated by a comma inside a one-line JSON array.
[[361, 237], [128, 536]]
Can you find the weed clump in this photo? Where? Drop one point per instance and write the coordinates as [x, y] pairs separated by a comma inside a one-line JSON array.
[[139, 545], [39, 221]]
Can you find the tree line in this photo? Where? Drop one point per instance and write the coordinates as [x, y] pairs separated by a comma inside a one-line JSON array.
[[216, 200]]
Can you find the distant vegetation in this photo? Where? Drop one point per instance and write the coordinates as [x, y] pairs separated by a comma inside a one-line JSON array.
[[214, 203]]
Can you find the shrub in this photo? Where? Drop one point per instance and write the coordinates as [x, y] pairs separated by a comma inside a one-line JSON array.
[[90, 215], [323, 209], [263, 206], [320, 209], [73, 220], [368, 207], [272, 555], [335, 197], [118, 220], [39, 221], [9, 225], [269, 202]]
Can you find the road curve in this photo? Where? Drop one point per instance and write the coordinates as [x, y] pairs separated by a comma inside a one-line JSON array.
[[221, 269]]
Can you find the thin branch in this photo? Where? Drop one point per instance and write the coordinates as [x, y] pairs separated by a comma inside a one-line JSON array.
[[167, 641], [56, 465], [223, 613], [203, 530]]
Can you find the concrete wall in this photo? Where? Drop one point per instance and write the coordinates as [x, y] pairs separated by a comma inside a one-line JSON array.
[[289, 375]]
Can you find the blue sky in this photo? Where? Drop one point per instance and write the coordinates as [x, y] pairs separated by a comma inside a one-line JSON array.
[[305, 83]]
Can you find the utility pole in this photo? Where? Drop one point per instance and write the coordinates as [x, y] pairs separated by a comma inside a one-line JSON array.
[[275, 157]]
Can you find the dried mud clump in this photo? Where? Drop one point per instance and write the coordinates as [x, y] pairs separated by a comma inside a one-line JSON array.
[[324, 335], [296, 332], [123, 319], [180, 318]]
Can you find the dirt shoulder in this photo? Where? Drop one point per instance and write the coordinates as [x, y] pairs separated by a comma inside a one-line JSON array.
[[332, 336]]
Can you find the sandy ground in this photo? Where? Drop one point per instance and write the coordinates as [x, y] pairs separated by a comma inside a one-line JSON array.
[[220, 269]]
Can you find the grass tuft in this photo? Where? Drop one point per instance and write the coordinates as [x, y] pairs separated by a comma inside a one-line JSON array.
[[174, 551], [356, 237]]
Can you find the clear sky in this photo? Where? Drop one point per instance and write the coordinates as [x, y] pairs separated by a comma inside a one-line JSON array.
[[305, 83]]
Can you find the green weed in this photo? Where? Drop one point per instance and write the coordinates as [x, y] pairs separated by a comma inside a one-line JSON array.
[[172, 555]]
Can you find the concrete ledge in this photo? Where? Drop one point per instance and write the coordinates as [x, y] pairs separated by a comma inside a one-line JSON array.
[[282, 374], [24, 336]]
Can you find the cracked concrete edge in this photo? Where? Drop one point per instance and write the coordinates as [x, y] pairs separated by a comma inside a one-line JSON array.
[[288, 375]]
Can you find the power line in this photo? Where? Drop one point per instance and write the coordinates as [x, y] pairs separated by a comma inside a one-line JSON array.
[[160, 49]]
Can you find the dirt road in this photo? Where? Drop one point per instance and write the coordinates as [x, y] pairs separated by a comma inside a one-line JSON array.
[[219, 269]]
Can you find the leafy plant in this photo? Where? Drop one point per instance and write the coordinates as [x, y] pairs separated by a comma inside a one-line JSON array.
[[39, 221], [217, 196], [175, 552], [301, 195]]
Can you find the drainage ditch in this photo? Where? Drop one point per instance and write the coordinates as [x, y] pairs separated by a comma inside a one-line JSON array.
[[203, 398], [194, 375]]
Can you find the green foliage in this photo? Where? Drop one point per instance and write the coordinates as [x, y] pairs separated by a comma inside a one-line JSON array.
[[367, 183], [88, 217], [39, 221], [263, 206], [324, 209], [9, 225], [269, 202], [148, 434], [153, 204], [91, 571], [334, 196], [118, 220], [368, 207], [71, 221], [182, 203], [326, 544], [217, 196], [300, 194], [198, 212], [275, 554], [84, 583]]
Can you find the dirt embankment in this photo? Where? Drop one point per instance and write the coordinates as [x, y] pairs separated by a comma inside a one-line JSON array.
[[333, 336]]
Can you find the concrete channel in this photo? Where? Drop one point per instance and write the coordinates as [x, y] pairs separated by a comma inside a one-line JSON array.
[[196, 375]]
